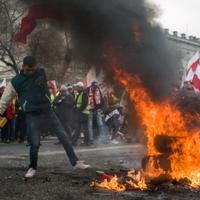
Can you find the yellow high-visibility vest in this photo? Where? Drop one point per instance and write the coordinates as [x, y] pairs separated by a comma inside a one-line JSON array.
[[79, 102], [52, 97]]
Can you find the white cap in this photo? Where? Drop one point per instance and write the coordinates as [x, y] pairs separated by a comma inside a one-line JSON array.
[[69, 87], [80, 84], [63, 88]]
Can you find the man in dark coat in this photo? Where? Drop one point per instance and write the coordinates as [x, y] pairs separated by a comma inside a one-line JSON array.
[[31, 88], [64, 103]]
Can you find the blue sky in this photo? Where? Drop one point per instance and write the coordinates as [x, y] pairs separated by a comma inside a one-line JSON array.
[[180, 15]]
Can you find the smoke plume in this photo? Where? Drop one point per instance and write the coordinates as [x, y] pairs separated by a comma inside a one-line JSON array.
[[128, 26]]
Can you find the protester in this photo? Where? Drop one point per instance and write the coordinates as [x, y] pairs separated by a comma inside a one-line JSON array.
[[53, 90], [187, 99], [82, 108], [111, 98], [70, 90], [63, 105], [72, 118], [4, 130], [31, 87], [96, 103]]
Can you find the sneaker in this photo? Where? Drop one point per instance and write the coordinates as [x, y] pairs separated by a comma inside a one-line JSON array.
[[80, 165], [30, 173], [114, 141]]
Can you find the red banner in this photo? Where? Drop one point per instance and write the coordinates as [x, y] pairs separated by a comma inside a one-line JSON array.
[[29, 22]]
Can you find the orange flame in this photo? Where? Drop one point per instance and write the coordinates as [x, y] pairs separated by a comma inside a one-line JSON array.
[[159, 120], [112, 184], [133, 180], [165, 119]]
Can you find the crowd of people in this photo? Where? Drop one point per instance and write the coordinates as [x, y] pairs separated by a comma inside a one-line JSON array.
[[87, 112], [88, 115]]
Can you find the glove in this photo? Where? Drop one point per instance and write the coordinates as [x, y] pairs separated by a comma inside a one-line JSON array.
[[3, 121]]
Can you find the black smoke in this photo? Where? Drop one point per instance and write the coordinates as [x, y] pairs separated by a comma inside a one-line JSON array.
[[126, 25]]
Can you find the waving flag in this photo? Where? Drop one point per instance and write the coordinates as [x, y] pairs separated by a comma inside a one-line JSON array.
[[193, 72], [29, 22]]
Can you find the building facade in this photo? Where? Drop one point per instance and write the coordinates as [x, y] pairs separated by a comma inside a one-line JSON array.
[[186, 46]]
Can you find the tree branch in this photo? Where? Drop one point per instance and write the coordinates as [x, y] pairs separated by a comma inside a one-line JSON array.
[[7, 52]]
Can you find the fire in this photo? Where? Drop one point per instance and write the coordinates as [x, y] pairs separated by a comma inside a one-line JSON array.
[[165, 120], [112, 184], [133, 180], [177, 158]]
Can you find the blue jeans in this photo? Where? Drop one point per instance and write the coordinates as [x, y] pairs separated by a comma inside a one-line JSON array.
[[82, 124], [102, 132], [35, 123]]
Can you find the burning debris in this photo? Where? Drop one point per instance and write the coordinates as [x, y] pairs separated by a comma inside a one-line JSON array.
[[164, 124], [132, 180], [173, 149]]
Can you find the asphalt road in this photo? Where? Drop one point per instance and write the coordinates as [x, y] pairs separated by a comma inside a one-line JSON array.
[[56, 180]]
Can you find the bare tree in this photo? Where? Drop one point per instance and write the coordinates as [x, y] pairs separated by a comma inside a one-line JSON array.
[[11, 53], [50, 44]]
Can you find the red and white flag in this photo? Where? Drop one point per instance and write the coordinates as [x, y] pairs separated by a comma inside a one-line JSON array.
[[193, 72]]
